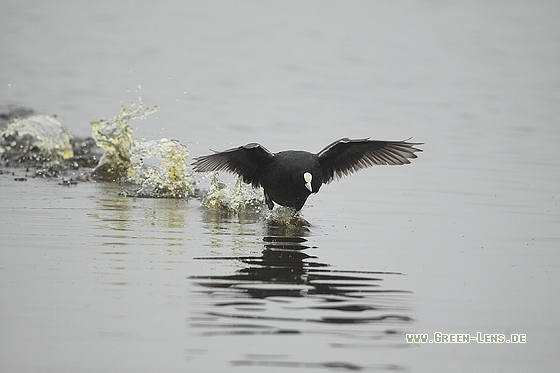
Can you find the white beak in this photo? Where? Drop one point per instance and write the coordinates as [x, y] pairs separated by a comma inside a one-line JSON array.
[[308, 177]]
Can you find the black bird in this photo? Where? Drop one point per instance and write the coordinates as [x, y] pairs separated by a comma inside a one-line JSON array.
[[289, 177]]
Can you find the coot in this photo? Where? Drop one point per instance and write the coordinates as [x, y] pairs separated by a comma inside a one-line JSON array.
[[289, 177]]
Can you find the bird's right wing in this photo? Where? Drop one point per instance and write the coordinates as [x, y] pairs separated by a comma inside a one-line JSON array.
[[246, 161]]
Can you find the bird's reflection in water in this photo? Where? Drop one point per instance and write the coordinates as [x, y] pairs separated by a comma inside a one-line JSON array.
[[288, 290]]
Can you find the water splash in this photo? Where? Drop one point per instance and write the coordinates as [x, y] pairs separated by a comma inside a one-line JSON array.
[[38, 140], [220, 197], [286, 217], [242, 198], [160, 168], [115, 137]]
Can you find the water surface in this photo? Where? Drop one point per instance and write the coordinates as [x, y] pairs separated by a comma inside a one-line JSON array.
[[463, 240]]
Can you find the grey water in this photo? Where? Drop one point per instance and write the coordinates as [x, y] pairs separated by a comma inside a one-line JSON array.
[[463, 240]]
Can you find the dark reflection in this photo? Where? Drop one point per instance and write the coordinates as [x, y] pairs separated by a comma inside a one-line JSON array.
[[288, 290], [285, 269]]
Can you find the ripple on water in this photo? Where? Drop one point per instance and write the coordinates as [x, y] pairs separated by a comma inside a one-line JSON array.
[[286, 290]]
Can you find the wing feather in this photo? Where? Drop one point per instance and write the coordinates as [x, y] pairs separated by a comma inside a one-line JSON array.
[[346, 156], [245, 161]]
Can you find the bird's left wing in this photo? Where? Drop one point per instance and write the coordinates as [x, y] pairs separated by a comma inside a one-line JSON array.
[[246, 161], [347, 156]]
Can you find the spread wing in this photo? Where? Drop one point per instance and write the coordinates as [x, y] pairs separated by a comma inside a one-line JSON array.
[[346, 156], [246, 161]]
